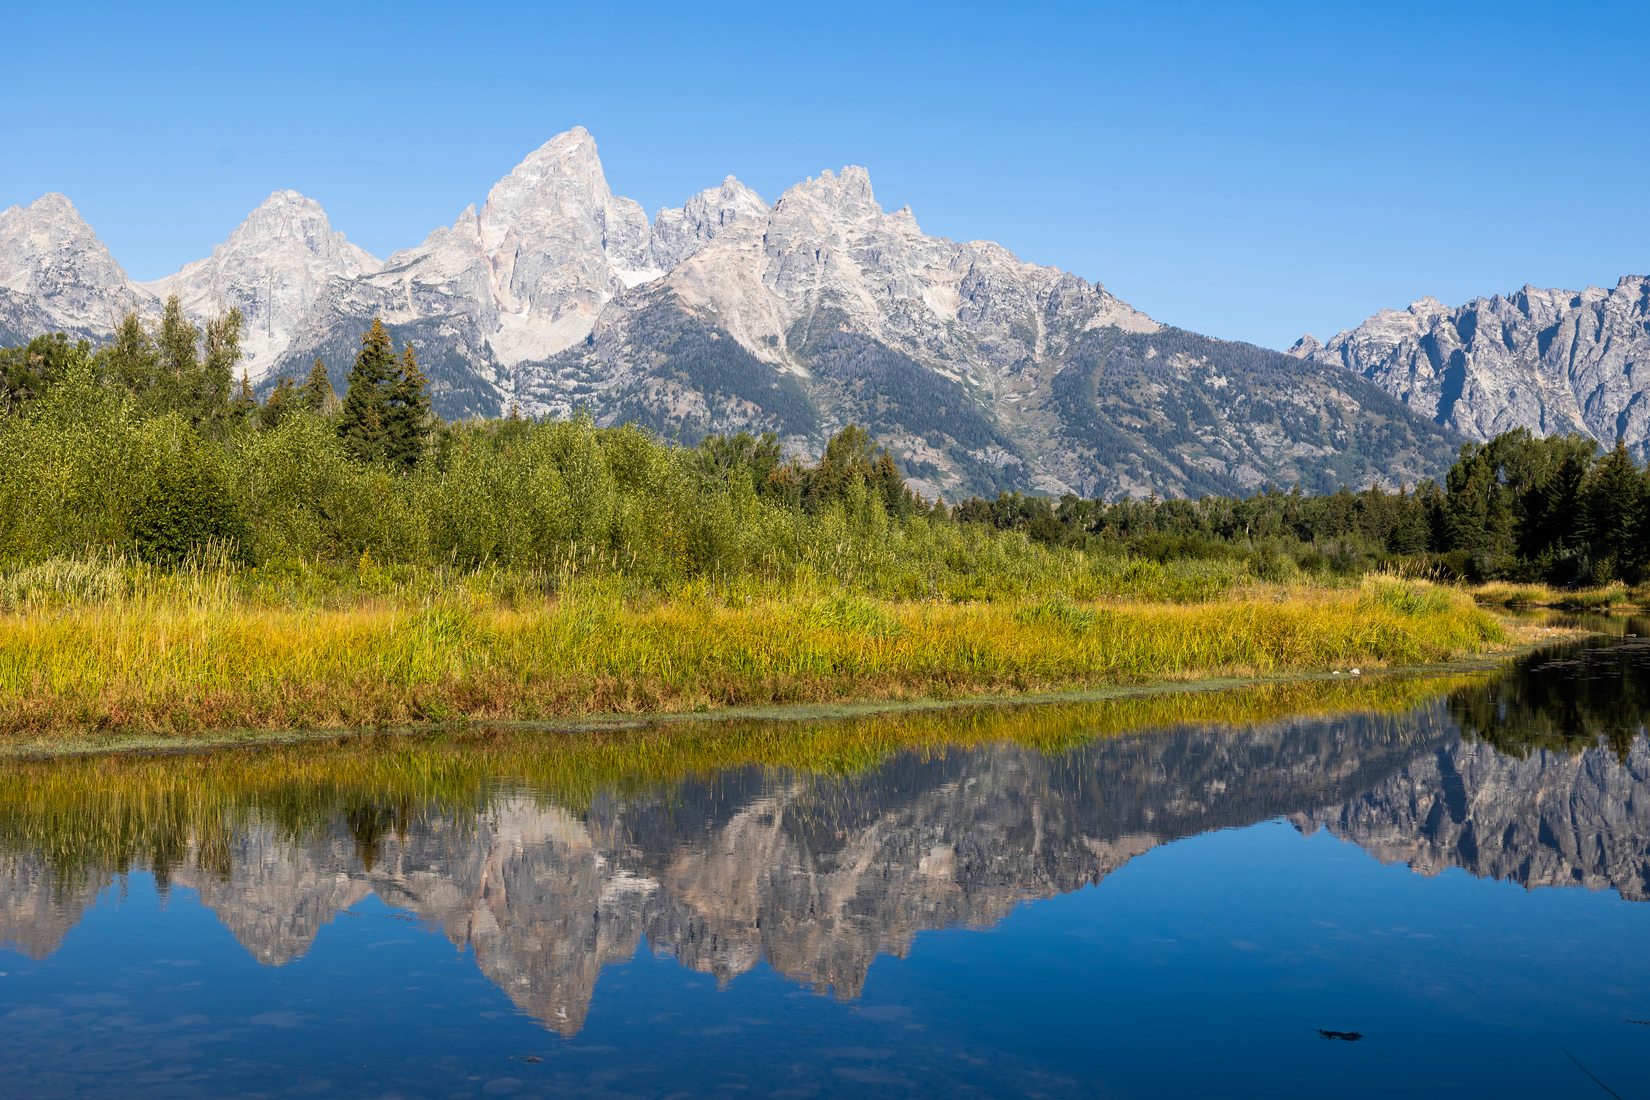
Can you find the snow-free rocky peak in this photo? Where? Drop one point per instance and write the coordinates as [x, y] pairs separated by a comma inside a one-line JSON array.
[[1547, 360], [56, 274], [277, 268], [981, 371], [679, 232], [525, 277]]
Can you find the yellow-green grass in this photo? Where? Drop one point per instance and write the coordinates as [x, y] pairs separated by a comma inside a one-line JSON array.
[[176, 661], [119, 811], [1599, 598]]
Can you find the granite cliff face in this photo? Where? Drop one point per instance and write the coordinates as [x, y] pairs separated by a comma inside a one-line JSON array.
[[818, 876], [1549, 360], [277, 268], [981, 371]]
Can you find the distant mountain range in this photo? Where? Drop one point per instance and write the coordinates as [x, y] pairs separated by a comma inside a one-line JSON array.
[[1553, 361], [981, 371]]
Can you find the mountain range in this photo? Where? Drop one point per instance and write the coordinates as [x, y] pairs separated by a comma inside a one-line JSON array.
[[1552, 361], [981, 372]]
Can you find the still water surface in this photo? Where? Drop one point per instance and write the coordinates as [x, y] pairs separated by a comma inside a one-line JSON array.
[[1458, 877]]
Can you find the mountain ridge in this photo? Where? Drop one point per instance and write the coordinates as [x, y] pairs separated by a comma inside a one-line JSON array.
[[981, 371], [1552, 361]]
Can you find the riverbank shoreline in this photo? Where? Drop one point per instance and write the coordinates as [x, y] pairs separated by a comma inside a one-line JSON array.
[[1524, 637]]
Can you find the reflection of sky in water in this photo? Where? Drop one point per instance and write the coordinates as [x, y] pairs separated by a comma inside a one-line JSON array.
[[1205, 965], [1159, 922]]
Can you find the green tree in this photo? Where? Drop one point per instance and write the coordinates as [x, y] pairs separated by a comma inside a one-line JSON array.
[[407, 415], [316, 393], [364, 418], [209, 395], [27, 372], [281, 400], [1612, 508], [188, 510], [245, 405], [1409, 531], [718, 456], [1478, 515], [131, 362], [177, 344]]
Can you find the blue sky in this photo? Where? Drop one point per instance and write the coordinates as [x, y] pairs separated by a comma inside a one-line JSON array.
[[1251, 171]]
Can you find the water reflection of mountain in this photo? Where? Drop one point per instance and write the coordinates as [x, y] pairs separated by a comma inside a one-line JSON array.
[[1546, 819], [819, 874], [1551, 786]]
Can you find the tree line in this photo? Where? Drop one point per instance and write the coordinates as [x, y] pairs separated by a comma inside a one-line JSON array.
[[143, 446], [174, 367], [1519, 507], [146, 444]]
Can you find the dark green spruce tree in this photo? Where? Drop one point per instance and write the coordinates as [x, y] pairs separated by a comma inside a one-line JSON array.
[[363, 421], [1612, 507], [407, 418]]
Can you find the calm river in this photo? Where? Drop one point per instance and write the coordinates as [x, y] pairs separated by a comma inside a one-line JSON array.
[[1379, 889]]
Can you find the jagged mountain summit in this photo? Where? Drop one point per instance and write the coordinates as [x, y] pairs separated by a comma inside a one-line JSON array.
[[56, 276], [1548, 360], [276, 267], [980, 370]]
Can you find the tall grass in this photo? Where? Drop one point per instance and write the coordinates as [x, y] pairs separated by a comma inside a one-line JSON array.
[[1600, 598], [190, 651]]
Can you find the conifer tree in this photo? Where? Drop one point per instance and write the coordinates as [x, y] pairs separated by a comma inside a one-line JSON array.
[[1612, 507], [280, 401], [246, 402], [364, 417], [407, 420], [1409, 532], [26, 373], [317, 393]]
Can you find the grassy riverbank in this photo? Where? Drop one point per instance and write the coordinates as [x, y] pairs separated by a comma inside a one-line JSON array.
[[121, 811], [188, 653], [1610, 597]]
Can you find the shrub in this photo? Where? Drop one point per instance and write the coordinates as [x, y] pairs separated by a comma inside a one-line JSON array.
[[187, 513]]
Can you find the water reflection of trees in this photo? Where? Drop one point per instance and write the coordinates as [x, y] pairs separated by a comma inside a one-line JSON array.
[[1564, 700], [161, 813]]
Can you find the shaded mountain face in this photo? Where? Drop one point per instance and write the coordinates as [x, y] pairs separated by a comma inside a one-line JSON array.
[[1552, 361], [817, 875], [981, 371]]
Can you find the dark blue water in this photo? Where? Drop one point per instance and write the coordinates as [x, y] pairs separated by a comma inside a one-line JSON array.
[[1177, 911]]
